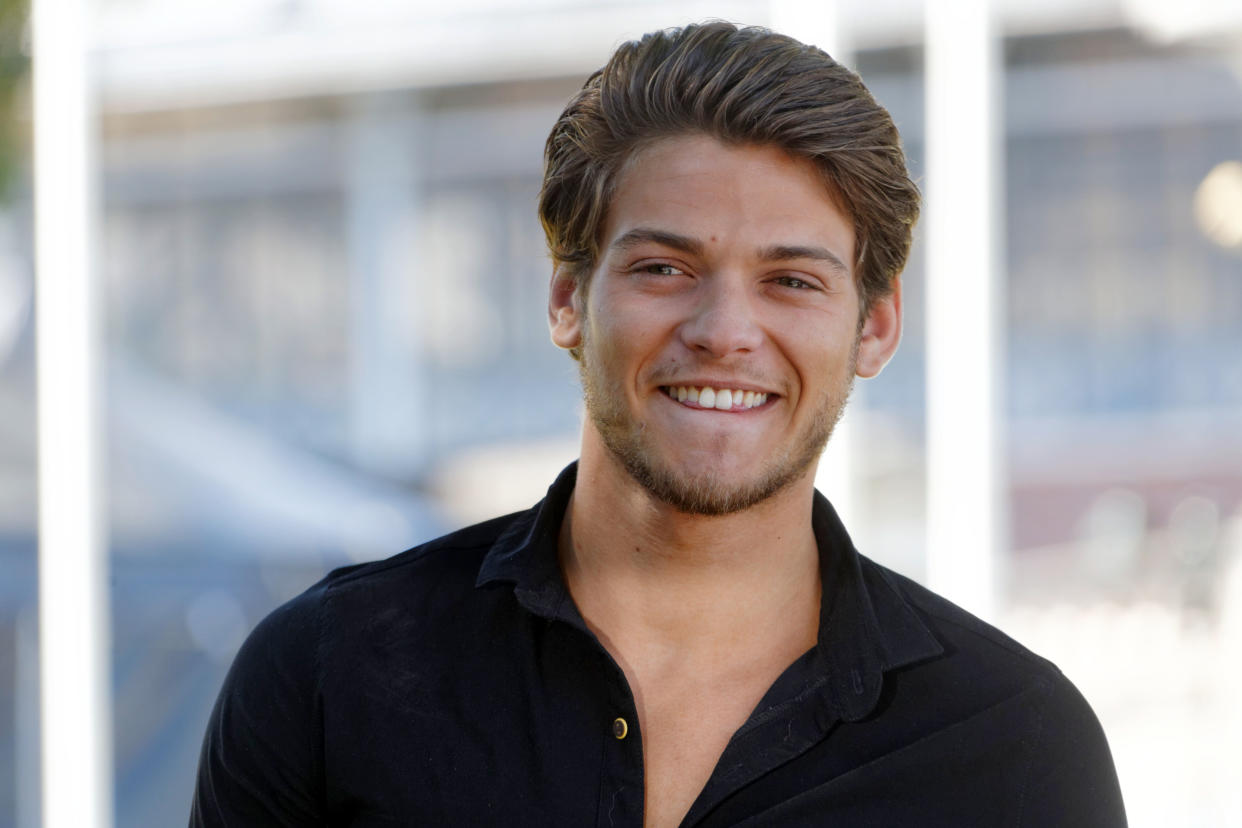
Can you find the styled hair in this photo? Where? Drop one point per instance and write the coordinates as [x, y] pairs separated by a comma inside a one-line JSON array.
[[741, 86]]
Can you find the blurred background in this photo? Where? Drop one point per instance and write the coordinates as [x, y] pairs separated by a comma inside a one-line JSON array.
[[324, 291]]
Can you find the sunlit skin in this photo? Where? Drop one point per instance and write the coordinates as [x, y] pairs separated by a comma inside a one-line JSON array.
[[729, 267]]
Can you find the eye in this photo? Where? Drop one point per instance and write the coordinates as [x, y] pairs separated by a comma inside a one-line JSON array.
[[795, 282], [660, 269]]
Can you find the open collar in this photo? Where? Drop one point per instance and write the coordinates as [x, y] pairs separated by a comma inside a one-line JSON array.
[[866, 627]]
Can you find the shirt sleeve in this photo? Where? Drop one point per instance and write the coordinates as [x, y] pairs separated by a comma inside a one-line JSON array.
[[261, 761], [1073, 781]]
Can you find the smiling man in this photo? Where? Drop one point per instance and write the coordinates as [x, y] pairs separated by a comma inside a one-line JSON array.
[[681, 632]]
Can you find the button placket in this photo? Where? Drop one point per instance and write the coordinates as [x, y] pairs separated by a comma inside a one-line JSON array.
[[621, 803]]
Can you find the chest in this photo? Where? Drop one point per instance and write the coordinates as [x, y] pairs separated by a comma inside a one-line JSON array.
[[521, 733], [685, 729]]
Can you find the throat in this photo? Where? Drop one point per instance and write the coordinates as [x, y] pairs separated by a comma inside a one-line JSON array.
[[675, 615]]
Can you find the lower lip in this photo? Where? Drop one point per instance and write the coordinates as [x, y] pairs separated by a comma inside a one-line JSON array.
[[696, 407]]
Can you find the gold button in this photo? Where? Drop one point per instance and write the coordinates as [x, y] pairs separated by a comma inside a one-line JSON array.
[[620, 728]]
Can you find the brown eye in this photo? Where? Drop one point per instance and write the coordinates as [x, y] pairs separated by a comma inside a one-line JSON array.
[[795, 282]]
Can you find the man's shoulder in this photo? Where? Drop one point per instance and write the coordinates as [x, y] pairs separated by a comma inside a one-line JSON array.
[[985, 677], [423, 581], [1011, 708], [950, 623], [980, 664], [456, 554]]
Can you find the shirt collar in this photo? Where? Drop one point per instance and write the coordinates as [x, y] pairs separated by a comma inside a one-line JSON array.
[[866, 626], [526, 555]]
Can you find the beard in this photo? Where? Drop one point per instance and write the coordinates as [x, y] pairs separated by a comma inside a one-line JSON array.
[[708, 493]]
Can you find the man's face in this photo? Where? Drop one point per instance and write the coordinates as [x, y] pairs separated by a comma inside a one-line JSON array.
[[731, 269]]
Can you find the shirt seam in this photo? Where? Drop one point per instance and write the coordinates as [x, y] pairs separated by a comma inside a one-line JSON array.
[[321, 757], [777, 709], [416, 554], [1040, 719]]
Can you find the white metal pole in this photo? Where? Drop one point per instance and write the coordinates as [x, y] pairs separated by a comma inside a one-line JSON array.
[[73, 618], [26, 718], [965, 530]]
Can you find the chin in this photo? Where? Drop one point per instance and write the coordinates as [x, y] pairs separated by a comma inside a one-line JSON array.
[[709, 493]]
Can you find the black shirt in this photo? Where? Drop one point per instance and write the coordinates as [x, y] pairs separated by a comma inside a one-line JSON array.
[[457, 684]]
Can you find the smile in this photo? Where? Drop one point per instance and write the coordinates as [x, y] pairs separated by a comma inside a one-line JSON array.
[[721, 399]]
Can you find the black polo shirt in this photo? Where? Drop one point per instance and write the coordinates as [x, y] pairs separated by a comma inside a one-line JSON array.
[[456, 684]]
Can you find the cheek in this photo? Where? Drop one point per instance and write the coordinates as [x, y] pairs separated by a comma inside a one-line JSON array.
[[821, 364], [626, 331], [606, 352]]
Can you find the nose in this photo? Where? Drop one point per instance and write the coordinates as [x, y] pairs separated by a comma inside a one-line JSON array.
[[724, 320]]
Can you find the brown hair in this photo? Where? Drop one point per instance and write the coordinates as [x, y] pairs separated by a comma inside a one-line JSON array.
[[741, 86]]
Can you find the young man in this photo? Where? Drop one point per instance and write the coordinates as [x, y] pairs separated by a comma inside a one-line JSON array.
[[681, 632]]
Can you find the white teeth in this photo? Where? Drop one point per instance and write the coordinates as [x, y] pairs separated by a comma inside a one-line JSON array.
[[723, 399]]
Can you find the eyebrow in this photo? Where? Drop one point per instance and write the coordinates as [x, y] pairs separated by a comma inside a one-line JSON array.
[[787, 252], [687, 244], [645, 235]]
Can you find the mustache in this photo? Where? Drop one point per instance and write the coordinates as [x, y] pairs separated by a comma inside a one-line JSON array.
[[678, 374]]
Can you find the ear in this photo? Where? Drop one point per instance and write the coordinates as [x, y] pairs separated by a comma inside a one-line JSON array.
[[564, 309], [881, 332]]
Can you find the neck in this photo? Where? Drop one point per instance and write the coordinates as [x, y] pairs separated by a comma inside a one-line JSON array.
[[640, 570]]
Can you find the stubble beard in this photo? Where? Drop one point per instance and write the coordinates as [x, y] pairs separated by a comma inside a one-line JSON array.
[[708, 494]]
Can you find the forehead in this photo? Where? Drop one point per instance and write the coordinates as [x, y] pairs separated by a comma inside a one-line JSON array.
[[728, 195]]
